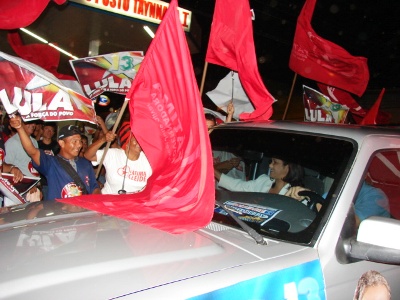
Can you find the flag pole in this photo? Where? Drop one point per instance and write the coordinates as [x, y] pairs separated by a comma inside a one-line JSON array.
[[290, 96], [203, 78], [117, 121], [233, 81]]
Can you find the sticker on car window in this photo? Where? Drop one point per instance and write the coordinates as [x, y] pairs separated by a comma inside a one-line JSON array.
[[249, 212]]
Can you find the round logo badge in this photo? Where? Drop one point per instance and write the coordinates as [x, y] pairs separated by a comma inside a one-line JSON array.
[[104, 100]]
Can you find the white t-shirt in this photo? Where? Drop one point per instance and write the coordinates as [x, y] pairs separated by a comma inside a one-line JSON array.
[[137, 171], [238, 172]]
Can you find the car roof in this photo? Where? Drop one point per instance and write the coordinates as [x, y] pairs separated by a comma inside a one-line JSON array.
[[355, 132]]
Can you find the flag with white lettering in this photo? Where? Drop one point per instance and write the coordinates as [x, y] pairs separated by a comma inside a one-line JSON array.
[[231, 45], [38, 94], [112, 72], [168, 121], [321, 60]]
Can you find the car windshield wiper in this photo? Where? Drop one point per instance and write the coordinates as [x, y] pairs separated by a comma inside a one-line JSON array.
[[251, 232]]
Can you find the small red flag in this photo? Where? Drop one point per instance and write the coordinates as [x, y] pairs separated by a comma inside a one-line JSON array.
[[318, 59], [372, 114], [231, 45], [167, 119], [17, 14]]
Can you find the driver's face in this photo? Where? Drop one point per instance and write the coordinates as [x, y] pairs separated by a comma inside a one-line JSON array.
[[278, 169]]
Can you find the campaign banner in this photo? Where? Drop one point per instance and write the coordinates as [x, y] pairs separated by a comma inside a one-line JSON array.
[[37, 94], [112, 72], [319, 108], [15, 191], [249, 212]]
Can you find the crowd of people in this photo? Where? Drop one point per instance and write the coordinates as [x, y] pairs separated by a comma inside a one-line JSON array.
[[66, 162]]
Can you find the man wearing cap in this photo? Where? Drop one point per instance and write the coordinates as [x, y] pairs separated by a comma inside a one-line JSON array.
[[57, 169]]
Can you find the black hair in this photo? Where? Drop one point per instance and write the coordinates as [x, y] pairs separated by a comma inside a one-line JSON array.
[[295, 175], [210, 117], [52, 124]]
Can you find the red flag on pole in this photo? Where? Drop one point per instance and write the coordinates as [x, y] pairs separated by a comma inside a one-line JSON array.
[[167, 119], [231, 45], [318, 59]]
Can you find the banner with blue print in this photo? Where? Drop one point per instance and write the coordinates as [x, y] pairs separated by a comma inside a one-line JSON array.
[[301, 282]]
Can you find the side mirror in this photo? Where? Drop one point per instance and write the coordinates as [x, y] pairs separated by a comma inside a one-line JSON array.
[[377, 240]]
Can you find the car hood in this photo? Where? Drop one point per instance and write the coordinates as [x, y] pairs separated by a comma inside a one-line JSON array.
[[56, 249]]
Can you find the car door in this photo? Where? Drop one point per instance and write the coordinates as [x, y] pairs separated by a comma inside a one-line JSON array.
[[378, 165]]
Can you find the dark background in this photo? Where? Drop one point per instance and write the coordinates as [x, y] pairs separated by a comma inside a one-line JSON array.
[[367, 28]]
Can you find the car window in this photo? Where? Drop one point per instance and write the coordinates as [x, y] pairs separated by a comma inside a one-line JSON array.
[[325, 159], [379, 194]]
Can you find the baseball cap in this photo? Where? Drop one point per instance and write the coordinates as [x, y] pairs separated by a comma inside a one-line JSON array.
[[68, 130]]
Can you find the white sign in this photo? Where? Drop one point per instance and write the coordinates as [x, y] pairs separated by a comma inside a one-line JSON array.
[[147, 10]]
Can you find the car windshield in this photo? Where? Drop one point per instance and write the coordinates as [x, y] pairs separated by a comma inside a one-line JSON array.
[[324, 159]]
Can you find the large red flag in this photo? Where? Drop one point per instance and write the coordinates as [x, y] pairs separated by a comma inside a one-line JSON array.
[[22, 13], [316, 58], [167, 119], [231, 45]]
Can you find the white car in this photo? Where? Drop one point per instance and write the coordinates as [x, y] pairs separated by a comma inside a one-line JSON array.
[[286, 250]]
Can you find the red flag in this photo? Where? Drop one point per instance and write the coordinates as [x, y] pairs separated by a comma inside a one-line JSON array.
[[316, 58], [42, 55], [17, 14], [231, 45], [167, 119], [341, 97], [372, 115]]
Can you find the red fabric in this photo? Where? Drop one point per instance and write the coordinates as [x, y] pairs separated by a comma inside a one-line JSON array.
[[231, 45], [316, 58], [341, 97], [372, 115], [42, 55], [168, 121], [21, 13]]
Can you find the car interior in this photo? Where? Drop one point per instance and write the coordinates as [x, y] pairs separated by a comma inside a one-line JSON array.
[[324, 159]]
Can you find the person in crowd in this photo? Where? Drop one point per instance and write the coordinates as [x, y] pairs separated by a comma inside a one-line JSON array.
[[372, 285], [17, 156], [370, 201], [226, 162], [282, 176], [50, 147], [38, 132], [67, 174], [211, 121], [15, 153], [7, 131], [85, 145], [8, 168], [48, 144], [127, 168]]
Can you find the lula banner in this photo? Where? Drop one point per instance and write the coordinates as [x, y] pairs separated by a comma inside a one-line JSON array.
[[112, 72], [37, 94]]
